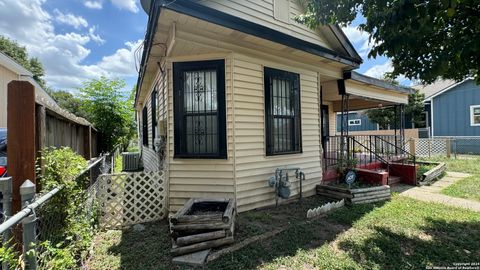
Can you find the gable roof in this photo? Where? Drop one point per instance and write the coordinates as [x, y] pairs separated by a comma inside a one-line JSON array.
[[12, 65], [439, 87], [433, 88], [183, 6], [188, 7]]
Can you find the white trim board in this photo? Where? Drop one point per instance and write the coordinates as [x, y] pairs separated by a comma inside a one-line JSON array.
[[472, 116]]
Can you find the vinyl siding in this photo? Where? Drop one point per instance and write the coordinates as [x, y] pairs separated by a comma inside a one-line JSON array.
[[451, 111], [150, 157], [262, 12], [252, 166], [6, 76], [190, 178]]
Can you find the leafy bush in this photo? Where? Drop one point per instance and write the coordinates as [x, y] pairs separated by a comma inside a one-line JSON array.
[[9, 255], [67, 239]]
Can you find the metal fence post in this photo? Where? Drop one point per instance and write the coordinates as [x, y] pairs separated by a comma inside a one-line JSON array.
[[6, 189], [27, 192]]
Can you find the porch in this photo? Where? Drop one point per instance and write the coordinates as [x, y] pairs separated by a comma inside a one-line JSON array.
[[380, 159]]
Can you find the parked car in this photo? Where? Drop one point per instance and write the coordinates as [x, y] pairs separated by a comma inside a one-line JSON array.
[[3, 152]]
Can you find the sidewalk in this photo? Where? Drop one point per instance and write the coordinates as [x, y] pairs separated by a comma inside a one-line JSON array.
[[432, 193]]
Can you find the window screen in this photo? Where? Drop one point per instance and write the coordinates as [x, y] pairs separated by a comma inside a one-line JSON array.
[[282, 107], [200, 109]]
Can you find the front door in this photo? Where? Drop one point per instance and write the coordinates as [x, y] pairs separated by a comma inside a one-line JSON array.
[[325, 127]]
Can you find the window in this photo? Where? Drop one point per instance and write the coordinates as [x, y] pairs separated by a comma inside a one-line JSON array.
[[282, 112], [145, 126], [199, 109], [475, 115], [355, 122], [153, 104]]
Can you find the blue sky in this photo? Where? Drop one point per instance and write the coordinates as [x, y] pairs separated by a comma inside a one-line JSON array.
[[77, 40]]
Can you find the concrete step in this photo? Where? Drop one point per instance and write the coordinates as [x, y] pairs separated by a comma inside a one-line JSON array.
[[394, 179]]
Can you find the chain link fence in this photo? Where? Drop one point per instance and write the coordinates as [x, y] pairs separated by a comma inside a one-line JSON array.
[[36, 234], [445, 146]]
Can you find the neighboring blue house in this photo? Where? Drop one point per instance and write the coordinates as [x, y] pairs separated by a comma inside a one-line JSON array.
[[454, 111], [359, 121]]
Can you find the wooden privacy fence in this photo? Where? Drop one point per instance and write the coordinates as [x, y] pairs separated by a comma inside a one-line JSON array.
[[126, 199], [36, 121]]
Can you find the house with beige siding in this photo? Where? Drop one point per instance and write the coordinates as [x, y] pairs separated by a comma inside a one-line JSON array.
[[9, 71], [229, 91]]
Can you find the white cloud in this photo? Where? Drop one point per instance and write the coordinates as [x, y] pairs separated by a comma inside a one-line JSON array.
[[130, 5], [379, 70], [359, 39], [93, 4], [63, 55], [122, 62], [95, 37], [76, 21]]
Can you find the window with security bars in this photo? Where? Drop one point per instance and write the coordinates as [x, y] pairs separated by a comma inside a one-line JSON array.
[[282, 112], [200, 124]]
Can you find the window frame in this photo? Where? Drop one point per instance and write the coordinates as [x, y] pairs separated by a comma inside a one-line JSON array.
[[145, 126], [180, 139], [153, 108], [294, 79], [472, 115], [357, 119]]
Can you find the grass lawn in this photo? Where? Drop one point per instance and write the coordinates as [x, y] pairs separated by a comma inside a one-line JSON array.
[[468, 188], [400, 234]]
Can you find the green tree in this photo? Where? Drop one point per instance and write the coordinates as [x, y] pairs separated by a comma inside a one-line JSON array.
[[385, 117], [19, 54], [424, 39], [110, 110], [69, 102]]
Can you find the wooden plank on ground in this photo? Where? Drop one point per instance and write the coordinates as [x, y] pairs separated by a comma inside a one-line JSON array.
[[191, 239]]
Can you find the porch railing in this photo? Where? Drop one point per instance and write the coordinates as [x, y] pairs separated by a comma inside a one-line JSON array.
[[365, 149]]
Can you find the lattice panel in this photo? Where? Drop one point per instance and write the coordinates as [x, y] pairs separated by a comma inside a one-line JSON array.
[[430, 147], [130, 198]]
